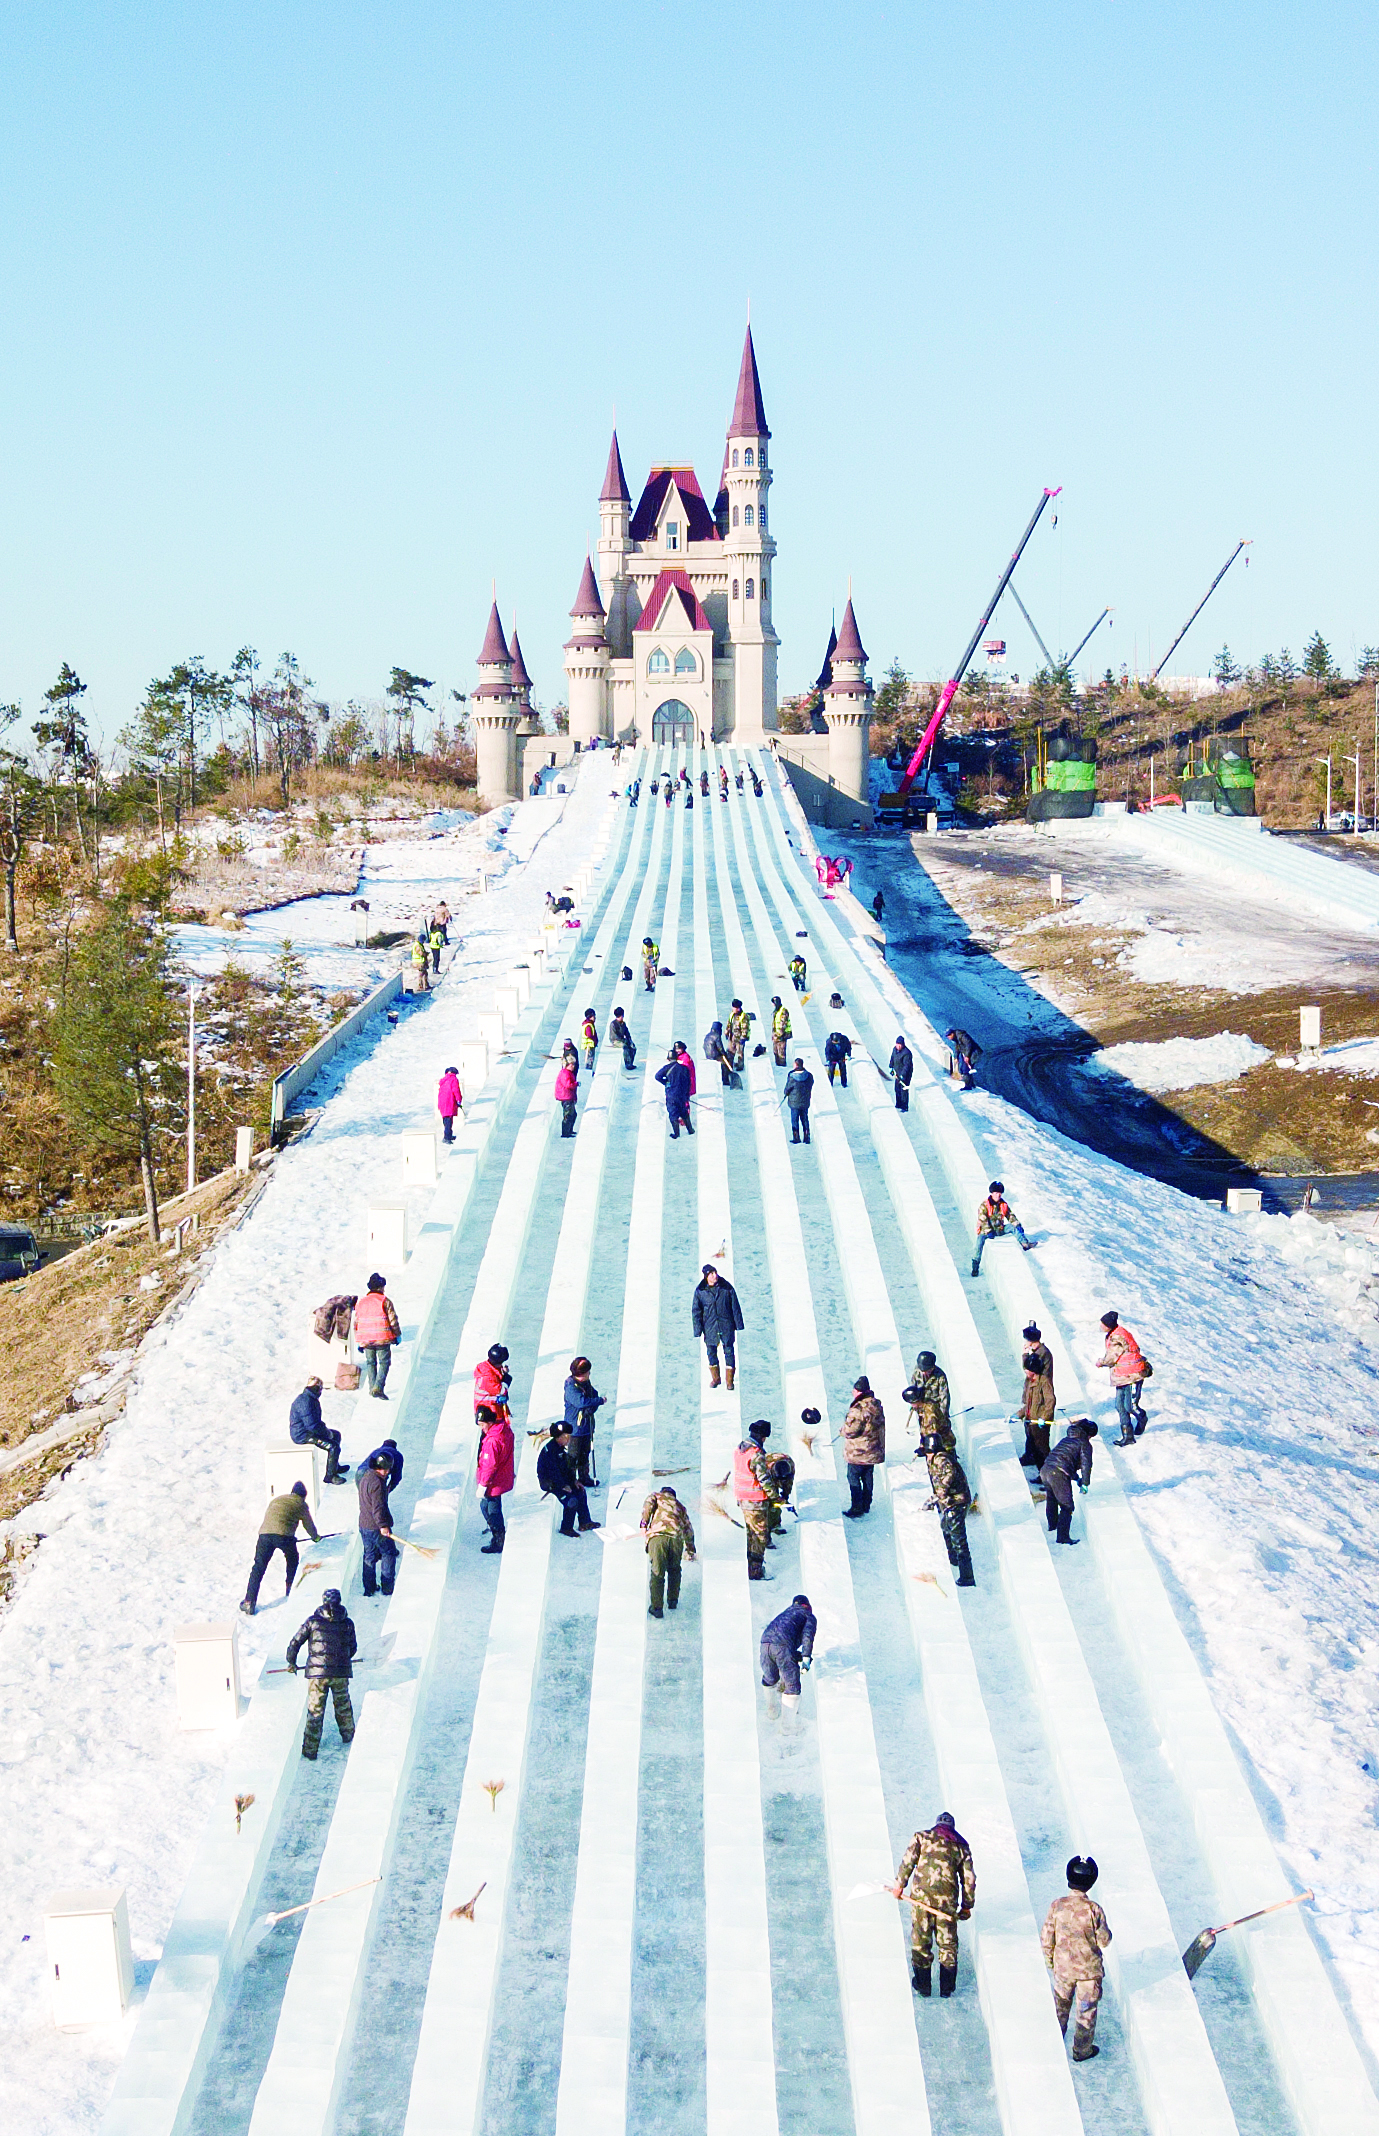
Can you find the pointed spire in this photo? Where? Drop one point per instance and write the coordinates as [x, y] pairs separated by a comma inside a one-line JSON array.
[[587, 602], [850, 646], [495, 651], [615, 489], [826, 671], [749, 416], [521, 680]]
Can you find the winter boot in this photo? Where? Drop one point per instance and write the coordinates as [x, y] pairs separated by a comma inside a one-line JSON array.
[[655, 1613], [976, 1268], [1084, 2054], [491, 1550], [922, 1978], [730, 1372], [772, 1701], [1127, 1438], [947, 1979], [248, 1608], [715, 1376], [965, 1578], [790, 1708]]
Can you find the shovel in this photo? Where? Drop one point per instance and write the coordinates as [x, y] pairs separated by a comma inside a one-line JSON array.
[[1201, 1947]]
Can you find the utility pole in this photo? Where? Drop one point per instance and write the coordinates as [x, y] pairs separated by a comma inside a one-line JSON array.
[[191, 1085], [1355, 760], [1327, 761]]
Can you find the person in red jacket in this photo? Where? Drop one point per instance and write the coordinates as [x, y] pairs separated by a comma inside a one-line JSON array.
[[686, 1060], [566, 1092], [492, 1381], [376, 1329], [449, 1099], [496, 1474], [1128, 1375]]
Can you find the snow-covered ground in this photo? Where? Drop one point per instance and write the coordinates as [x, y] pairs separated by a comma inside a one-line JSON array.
[[1180, 1063], [1257, 1487]]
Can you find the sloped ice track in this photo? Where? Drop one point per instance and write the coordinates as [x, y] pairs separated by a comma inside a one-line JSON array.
[[665, 1940]]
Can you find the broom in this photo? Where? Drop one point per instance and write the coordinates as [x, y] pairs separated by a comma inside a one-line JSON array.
[[1201, 1947], [270, 1921]]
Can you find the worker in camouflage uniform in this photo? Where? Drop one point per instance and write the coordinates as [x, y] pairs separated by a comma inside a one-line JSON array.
[[757, 1492], [952, 1498], [1037, 1403], [780, 1029], [737, 1034], [929, 1398], [783, 1476], [651, 951], [1075, 1934], [329, 1638], [938, 1879], [669, 1539]]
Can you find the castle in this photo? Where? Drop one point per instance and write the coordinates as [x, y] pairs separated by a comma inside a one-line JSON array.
[[672, 637]]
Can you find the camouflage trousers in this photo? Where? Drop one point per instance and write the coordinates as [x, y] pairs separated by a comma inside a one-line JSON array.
[[1087, 1994], [757, 1520], [929, 1928], [664, 1554], [316, 1690]]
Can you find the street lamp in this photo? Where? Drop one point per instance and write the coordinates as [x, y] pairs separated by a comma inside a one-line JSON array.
[[1355, 760], [1327, 761]]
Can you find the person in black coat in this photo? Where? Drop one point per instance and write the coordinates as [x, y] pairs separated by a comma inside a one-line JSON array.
[[307, 1427], [329, 1638], [376, 1527], [1071, 1460], [674, 1079], [390, 1452], [717, 1316], [555, 1472], [837, 1054], [787, 1646], [902, 1065], [799, 1089]]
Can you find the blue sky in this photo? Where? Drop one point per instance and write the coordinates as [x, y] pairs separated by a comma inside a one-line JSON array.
[[316, 317]]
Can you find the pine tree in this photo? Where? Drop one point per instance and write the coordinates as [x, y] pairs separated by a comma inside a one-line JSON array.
[[1224, 668], [1316, 659], [116, 1042], [894, 693]]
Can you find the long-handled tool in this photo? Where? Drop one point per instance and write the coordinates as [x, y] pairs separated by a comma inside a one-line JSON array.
[[270, 1921], [1201, 1947]]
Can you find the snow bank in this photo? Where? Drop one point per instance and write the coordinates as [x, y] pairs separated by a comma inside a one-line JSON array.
[[1354, 1056], [1180, 1063]]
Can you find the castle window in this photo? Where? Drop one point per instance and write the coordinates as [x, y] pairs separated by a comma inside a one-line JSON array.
[[747, 457], [749, 589], [761, 516], [763, 589], [658, 664], [734, 458], [747, 515], [685, 662], [734, 515], [672, 534], [761, 457], [734, 589]]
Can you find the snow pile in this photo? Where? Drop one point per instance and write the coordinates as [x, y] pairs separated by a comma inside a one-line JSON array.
[[1339, 1266], [1354, 1056], [1180, 1063]]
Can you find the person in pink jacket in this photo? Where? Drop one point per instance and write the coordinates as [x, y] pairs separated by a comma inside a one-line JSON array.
[[449, 1099], [566, 1090], [496, 1473], [1129, 1371]]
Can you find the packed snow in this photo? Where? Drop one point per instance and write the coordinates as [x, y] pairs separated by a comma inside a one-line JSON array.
[[1180, 1063], [1353, 1056]]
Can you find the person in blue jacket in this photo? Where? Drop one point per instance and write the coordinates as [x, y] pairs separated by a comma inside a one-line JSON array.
[[390, 1452], [307, 1427], [582, 1405], [674, 1079]]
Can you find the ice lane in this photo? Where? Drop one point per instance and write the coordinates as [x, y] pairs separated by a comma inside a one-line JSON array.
[[666, 1943]]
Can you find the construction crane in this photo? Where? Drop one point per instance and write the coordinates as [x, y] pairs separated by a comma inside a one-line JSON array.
[[1090, 635], [1198, 609], [1049, 660], [951, 687]]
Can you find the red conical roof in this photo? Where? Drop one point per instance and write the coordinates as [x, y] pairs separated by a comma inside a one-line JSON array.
[[495, 652], [749, 417], [615, 489], [849, 646], [521, 680], [587, 602]]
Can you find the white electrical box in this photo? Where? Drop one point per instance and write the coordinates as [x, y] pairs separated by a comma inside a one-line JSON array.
[[206, 1663], [92, 1963], [520, 981], [386, 1238], [505, 1001], [492, 1029], [1055, 889], [244, 1148], [420, 1166], [1310, 1030], [470, 1056], [1244, 1201], [287, 1464]]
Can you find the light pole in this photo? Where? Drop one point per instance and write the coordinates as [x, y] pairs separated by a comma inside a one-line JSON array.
[[191, 1085], [1327, 761], [1355, 760]]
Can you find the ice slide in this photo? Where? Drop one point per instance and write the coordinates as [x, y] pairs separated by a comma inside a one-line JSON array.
[[664, 1938]]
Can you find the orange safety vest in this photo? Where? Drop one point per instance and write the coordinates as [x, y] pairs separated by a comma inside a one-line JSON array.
[[749, 1491]]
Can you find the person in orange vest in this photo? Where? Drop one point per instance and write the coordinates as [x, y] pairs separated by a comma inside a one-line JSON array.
[[756, 1491], [1129, 1371], [994, 1218], [492, 1380], [376, 1329]]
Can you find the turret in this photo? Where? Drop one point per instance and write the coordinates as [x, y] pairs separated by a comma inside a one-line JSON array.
[[528, 724], [847, 714], [742, 518], [496, 712], [586, 659], [615, 546]]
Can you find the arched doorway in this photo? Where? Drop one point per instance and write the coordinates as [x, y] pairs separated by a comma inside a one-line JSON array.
[[672, 722]]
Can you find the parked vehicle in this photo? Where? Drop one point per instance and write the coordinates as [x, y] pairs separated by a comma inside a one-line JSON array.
[[19, 1254]]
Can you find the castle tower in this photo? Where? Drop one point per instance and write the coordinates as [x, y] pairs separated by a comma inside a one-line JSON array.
[[750, 554], [586, 658], [528, 723], [615, 546], [496, 713], [847, 711]]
